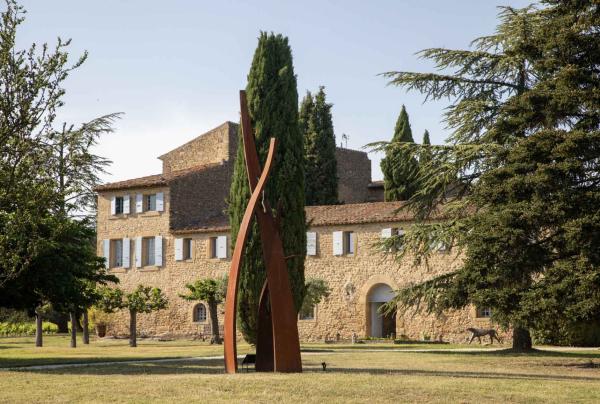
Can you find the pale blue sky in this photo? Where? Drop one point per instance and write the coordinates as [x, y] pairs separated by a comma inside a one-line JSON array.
[[175, 67]]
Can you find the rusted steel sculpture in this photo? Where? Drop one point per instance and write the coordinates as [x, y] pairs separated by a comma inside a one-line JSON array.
[[277, 344]]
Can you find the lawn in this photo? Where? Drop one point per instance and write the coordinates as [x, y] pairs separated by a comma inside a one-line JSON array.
[[360, 375]]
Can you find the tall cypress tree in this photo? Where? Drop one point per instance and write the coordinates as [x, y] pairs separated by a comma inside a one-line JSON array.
[[399, 166], [316, 126], [273, 107], [425, 154]]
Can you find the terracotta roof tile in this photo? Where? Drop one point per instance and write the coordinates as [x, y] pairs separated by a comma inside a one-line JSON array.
[[327, 215]]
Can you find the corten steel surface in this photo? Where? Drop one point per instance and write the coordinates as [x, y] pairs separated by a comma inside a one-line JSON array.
[[277, 346]]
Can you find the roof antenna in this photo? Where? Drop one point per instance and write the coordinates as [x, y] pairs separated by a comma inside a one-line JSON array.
[[345, 137]]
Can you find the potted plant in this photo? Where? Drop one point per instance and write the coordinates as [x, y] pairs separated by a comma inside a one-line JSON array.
[[99, 320]]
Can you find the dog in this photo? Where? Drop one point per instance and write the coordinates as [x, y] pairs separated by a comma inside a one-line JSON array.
[[479, 332]]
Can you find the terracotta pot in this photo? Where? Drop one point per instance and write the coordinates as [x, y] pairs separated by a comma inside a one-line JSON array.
[[100, 330]]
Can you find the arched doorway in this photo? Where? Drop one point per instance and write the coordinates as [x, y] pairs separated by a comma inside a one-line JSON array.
[[380, 325]]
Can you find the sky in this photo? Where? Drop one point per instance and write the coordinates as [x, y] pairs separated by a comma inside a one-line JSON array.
[[174, 68]]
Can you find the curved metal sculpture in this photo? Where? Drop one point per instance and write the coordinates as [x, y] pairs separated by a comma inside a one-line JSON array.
[[277, 344]]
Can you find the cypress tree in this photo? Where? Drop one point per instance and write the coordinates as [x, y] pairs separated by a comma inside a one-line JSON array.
[[316, 126], [425, 155], [399, 166], [273, 106]]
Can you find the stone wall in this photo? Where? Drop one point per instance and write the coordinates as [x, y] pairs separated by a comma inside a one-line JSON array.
[[354, 175], [200, 197], [214, 146], [350, 278]]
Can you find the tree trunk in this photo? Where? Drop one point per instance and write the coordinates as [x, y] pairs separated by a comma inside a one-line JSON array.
[[62, 322], [38, 328], [521, 339], [132, 328], [86, 328], [73, 330], [214, 322]]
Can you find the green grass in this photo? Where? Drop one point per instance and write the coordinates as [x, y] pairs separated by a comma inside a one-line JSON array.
[[359, 375], [21, 351]]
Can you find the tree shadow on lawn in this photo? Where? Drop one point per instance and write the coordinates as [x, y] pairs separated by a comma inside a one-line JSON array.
[[215, 366], [593, 353], [462, 374]]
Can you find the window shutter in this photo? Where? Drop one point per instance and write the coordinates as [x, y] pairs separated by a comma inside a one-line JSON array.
[[138, 252], [311, 243], [160, 202], [386, 233], [139, 203], [338, 243], [113, 205], [178, 249], [126, 253], [126, 208], [222, 247], [106, 252], [158, 254]]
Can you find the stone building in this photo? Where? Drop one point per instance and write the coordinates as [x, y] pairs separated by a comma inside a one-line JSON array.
[[170, 229]]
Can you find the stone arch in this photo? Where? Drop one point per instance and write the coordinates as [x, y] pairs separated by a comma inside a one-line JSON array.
[[374, 324]]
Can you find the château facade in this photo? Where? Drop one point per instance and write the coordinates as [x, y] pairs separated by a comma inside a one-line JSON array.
[[170, 229]]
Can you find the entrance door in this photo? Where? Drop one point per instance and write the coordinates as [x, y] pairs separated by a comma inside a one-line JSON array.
[[381, 325]]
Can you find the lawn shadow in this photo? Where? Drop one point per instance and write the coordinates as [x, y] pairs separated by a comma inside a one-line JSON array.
[[536, 353], [188, 366], [459, 374]]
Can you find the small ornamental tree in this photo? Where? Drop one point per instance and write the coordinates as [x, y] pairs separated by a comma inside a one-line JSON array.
[[213, 292], [316, 126], [143, 299], [400, 167]]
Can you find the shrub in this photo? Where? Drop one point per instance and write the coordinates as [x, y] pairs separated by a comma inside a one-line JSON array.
[[21, 329]]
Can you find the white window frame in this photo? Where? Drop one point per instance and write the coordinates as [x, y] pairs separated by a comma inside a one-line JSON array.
[[349, 243], [149, 251], [149, 202], [117, 253]]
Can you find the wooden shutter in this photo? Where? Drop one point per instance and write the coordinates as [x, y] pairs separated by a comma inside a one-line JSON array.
[[386, 233], [311, 243], [126, 253], [139, 203], [138, 252], [113, 205], [160, 202], [222, 247], [106, 252], [178, 249], [338, 243], [158, 251], [126, 208]]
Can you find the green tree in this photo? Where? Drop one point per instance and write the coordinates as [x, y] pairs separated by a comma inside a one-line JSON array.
[[143, 299], [316, 126], [526, 151], [213, 292], [273, 106], [399, 166]]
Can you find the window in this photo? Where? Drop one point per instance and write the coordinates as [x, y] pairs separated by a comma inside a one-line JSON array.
[[212, 249], [187, 248], [149, 251], [217, 247], [199, 313], [344, 243], [307, 313], [150, 202], [119, 205], [349, 240], [117, 248], [484, 312]]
